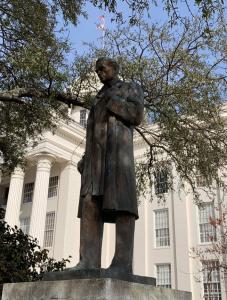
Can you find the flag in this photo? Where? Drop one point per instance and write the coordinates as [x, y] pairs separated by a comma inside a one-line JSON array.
[[101, 24]]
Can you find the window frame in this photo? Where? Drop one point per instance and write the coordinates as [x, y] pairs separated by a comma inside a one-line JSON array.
[[29, 194], [202, 182], [209, 229], [48, 240], [25, 227], [216, 287], [161, 181], [169, 275], [161, 238], [53, 189], [5, 195], [83, 118]]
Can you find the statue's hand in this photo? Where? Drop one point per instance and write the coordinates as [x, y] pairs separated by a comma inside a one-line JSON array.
[[116, 98], [114, 93]]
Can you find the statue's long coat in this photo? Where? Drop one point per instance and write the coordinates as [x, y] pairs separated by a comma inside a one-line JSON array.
[[108, 163]]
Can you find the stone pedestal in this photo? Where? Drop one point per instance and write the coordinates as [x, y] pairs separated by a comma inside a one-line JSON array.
[[89, 289]]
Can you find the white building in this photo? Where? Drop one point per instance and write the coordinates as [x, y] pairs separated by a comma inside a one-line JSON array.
[[43, 201]]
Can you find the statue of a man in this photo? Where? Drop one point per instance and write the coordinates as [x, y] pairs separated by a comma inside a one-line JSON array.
[[108, 188]]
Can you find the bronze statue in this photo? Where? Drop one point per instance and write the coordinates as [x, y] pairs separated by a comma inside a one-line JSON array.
[[108, 188]]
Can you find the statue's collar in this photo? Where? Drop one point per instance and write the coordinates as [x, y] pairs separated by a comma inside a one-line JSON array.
[[112, 82]]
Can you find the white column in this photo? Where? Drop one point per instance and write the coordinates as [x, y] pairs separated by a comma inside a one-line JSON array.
[[14, 197], [67, 239], [39, 205]]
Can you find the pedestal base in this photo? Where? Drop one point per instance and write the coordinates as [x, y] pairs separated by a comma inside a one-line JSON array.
[[72, 273], [89, 289]]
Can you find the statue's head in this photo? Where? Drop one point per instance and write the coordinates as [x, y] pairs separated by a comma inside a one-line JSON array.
[[106, 69]]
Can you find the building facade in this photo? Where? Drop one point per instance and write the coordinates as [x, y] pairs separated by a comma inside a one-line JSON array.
[[43, 201]]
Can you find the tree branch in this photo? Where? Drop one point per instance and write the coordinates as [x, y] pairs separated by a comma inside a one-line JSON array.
[[18, 96]]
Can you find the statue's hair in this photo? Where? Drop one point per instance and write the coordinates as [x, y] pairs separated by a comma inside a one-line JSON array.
[[110, 61]]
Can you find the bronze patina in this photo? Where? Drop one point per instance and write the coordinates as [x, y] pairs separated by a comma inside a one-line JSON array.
[[108, 188]]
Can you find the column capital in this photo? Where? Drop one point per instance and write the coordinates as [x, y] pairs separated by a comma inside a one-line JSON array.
[[18, 172], [44, 160], [71, 164]]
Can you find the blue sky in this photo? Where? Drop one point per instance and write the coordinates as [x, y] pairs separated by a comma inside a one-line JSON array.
[[86, 31]]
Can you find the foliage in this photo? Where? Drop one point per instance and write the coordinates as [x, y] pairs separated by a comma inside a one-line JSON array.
[[183, 84], [209, 10], [21, 259], [172, 62], [31, 56]]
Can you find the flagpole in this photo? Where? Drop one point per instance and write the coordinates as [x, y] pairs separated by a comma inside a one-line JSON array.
[[103, 38], [102, 26]]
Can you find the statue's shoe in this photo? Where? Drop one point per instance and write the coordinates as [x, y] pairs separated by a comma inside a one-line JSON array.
[[78, 267], [114, 270], [81, 266], [79, 271]]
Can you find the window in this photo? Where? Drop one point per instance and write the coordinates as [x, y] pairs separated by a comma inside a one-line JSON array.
[[24, 225], [53, 187], [4, 192], [206, 230], [162, 228], [49, 230], [5, 195], [211, 280], [28, 192], [201, 181], [83, 120], [161, 181], [163, 275]]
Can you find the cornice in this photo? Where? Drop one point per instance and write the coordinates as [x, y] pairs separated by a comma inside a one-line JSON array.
[[70, 151], [74, 127], [70, 137], [60, 151]]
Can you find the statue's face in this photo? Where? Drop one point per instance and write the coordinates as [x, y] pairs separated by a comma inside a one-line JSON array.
[[105, 71]]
